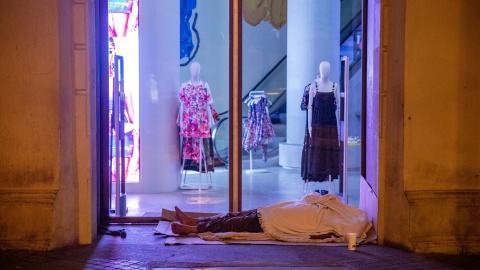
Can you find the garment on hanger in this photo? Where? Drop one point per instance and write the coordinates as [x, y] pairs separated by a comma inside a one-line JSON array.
[[320, 155], [304, 104], [258, 126], [196, 100], [306, 93]]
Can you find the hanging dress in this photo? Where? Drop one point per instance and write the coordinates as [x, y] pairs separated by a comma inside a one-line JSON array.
[[320, 155], [258, 126]]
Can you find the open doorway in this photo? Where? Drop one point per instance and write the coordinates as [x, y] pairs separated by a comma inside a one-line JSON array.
[[155, 64]]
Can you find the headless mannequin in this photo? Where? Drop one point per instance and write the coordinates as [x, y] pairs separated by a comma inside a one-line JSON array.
[[195, 81], [324, 85]]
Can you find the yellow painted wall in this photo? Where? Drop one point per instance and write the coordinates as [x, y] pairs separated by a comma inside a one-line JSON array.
[[430, 151], [38, 173], [29, 83], [442, 95]]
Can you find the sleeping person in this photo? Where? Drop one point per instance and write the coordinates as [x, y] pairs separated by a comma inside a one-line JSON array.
[[314, 216]]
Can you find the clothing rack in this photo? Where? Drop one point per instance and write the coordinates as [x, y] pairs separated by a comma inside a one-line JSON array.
[[253, 171]]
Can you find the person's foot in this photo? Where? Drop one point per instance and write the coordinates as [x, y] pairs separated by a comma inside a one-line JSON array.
[[184, 219], [178, 228]]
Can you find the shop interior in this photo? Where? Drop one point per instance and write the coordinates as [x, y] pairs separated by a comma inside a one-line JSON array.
[[160, 50]]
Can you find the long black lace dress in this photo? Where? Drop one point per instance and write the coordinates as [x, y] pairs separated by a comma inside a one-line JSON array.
[[320, 156]]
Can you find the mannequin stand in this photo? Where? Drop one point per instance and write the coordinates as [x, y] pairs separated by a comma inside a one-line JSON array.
[[253, 171], [208, 175]]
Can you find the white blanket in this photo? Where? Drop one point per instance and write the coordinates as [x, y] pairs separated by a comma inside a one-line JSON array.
[[314, 214]]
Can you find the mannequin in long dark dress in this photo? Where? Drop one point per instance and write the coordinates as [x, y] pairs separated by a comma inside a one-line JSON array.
[[320, 156]]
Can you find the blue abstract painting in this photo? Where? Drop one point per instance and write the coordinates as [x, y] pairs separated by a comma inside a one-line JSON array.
[[186, 36]]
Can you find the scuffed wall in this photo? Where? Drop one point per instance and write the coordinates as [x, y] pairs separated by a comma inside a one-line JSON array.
[[442, 96], [39, 110], [442, 116], [29, 83], [430, 190], [29, 113], [396, 208]]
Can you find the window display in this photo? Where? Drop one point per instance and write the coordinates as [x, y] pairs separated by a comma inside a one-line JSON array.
[[196, 117], [172, 111], [123, 41], [320, 157], [258, 126]]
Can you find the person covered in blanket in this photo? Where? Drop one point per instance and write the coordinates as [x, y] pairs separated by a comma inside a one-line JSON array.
[[314, 216]]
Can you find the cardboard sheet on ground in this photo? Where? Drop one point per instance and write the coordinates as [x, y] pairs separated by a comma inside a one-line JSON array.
[[193, 240], [229, 238], [164, 227]]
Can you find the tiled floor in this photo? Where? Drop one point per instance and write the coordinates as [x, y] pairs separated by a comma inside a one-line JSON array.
[[276, 185]]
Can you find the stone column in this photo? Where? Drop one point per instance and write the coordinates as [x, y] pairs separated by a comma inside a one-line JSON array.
[[313, 36]]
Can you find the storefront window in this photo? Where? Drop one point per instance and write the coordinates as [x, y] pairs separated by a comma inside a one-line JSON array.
[[169, 81], [291, 48], [169, 101]]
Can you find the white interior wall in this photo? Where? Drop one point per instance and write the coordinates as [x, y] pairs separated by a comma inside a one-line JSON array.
[[159, 42], [212, 26], [263, 47]]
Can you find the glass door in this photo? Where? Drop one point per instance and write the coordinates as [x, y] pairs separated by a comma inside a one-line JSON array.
[[123, 93], [264, 101], [286, 46], [351, 78], [169, 95], [281, 55]]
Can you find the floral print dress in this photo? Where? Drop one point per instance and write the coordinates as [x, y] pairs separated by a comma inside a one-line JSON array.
[[258, 126], [196, 120]]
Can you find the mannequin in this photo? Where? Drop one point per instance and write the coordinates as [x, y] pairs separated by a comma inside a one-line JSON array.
[[195, 80], [324, 86], [320, 156], [195, 120]]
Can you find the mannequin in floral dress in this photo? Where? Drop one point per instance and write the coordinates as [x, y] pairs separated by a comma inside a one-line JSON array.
[[195, 119]]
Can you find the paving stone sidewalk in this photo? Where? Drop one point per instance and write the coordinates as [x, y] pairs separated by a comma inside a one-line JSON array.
[[141, 249]]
